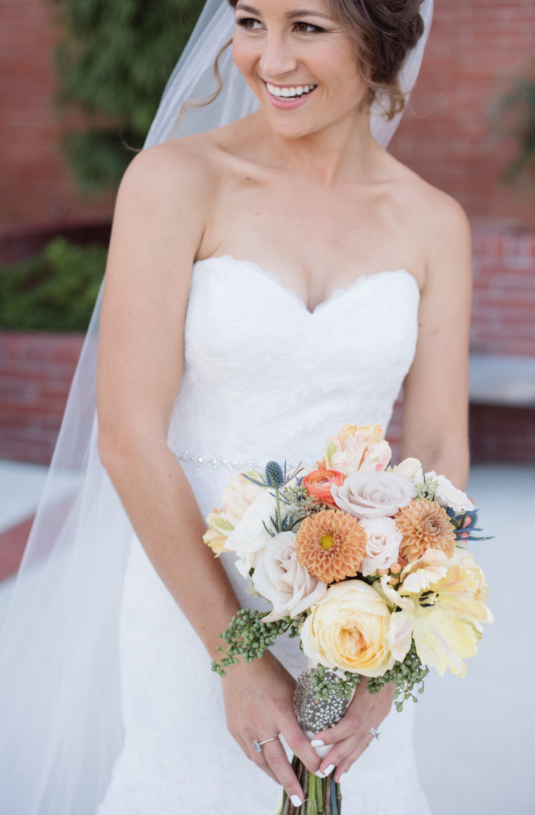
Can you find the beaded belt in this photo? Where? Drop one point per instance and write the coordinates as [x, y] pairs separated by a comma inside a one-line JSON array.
[[220, 461]]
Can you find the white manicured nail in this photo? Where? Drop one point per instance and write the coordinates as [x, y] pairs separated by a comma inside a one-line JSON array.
[[342, 777], [296, 801], [329, 769], [317, 743], [319, 774]]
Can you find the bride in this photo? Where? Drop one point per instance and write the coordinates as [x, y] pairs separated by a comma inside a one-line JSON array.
[[268, 280]]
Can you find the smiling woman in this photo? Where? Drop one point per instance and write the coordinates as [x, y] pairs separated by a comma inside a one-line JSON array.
[[257, 296], [378, 37]]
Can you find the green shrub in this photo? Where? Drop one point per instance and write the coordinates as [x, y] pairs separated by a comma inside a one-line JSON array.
[[55, 290], [112, 61], [514, 117]]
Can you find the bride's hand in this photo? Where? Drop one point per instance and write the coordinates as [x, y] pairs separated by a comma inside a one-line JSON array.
[[259, 704], [351, 736]]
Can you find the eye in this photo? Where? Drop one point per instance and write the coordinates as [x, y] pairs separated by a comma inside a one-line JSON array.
[[309, 25], [244, 22]]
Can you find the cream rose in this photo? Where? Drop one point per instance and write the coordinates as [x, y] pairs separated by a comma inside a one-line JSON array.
[[239, 495], [281, 579], [347, 629], [382, 546], [411, 468], [249, 536], [373, 495], [449, 496]]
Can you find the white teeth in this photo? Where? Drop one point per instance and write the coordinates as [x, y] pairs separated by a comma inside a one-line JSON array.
[[298, 90]]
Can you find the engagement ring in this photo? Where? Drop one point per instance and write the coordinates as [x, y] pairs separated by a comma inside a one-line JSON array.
[[258, 744], [375, 733]]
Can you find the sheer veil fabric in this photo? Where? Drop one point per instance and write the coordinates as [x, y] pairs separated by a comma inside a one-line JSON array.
[[61, 724]]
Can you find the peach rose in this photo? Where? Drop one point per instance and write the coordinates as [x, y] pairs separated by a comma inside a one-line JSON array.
[[367, 494]]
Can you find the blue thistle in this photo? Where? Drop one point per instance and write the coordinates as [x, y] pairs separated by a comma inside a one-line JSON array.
[[465, 525], [274, 474]]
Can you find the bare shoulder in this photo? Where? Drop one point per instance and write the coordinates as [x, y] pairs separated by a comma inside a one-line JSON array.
[[175, 171], [441, 223]]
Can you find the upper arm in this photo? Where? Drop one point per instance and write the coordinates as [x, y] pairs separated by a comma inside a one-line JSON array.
[[157, 228], [435, 391]]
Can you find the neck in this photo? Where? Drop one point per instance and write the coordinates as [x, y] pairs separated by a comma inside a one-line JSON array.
[[343, 151]]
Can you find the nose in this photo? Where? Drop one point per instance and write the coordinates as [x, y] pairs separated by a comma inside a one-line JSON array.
[[276, 58]]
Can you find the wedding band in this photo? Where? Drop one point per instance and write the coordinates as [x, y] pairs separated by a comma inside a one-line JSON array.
[[375, 733], [258, 744]]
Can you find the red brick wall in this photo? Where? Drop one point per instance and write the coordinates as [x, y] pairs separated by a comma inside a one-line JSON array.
[[503, 322], [34, 182], [474, 47], [35, 376], [503, 315]]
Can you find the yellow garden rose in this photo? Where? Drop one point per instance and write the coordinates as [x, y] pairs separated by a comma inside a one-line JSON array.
[[347, 629]]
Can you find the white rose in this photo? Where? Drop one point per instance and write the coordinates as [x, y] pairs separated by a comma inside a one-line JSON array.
[[366, 494], [281, 579], [249, 536], [410, 468], [449, 496], [382, 546]]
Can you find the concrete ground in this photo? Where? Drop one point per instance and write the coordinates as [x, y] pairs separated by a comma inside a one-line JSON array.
[[474, 736]]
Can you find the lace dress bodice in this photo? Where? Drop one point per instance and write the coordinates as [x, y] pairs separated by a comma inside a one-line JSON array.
[[264, 377]]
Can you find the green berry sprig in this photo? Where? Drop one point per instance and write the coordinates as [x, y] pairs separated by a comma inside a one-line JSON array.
[[405, 675], [248, 637], [344, 687]]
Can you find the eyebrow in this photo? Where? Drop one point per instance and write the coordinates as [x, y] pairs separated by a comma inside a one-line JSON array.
[[289, 14]]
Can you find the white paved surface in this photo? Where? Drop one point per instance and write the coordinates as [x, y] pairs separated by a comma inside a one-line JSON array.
[[475, 736]]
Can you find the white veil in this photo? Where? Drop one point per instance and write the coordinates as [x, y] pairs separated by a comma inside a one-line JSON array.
[[61, 725]]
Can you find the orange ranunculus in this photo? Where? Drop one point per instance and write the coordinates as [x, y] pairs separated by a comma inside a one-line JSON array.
[[318, 484]]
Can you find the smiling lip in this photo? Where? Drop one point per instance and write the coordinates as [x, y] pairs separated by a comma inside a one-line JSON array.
[[289, 102]]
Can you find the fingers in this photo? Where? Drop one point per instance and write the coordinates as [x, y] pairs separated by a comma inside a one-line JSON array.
[[344, 753], [301, 747], [275, 755], [351, 736], [345, 763]]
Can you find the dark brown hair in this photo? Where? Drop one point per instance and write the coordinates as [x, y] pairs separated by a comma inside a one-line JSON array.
[[384, 31]]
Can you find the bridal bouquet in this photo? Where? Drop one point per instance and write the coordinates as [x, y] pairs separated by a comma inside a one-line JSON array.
[[367, 564]]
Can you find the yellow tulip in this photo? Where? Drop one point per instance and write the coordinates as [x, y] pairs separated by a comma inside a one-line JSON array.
[[441, 602]]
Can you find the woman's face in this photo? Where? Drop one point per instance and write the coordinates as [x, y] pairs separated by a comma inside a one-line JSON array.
[[287, 46]]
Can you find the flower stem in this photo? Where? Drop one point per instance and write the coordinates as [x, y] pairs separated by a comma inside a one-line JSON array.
[[311, 804], [327, 799], [277, 499], [334, 805], [319, 795]]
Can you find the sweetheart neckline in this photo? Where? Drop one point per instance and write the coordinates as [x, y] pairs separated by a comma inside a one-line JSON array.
[[335, 295]]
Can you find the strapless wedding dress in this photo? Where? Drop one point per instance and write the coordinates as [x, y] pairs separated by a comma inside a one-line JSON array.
[[264, 378]]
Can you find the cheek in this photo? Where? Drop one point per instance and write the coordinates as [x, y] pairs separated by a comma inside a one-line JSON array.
[[244, 55]]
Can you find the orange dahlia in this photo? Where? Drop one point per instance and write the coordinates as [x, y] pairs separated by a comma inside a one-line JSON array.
[[424, 525], [318, 485], [331, 545]]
